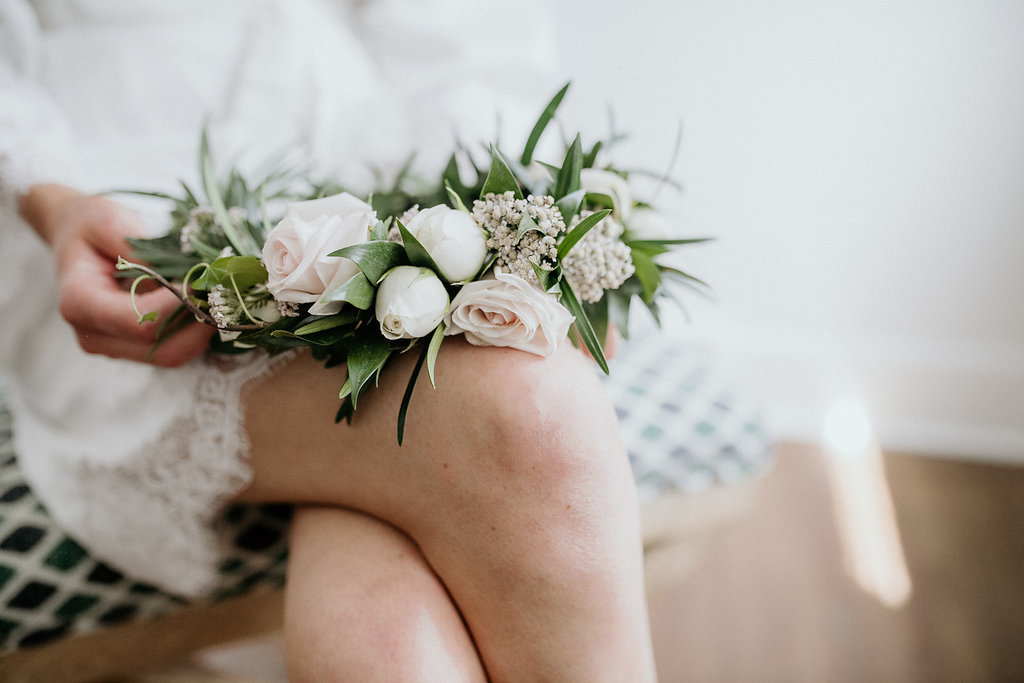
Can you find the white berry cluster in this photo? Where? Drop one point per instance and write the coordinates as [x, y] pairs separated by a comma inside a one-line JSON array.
[[224, 306], [500, 216], [600, 261], [394, 235]]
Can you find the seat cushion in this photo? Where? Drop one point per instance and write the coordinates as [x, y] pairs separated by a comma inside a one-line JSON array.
[[51, 587]]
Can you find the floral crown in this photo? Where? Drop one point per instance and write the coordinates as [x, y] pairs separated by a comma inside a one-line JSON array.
[[514, 258]]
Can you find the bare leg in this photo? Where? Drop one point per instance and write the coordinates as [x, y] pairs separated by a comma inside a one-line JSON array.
[[363, 605], [512, 483]]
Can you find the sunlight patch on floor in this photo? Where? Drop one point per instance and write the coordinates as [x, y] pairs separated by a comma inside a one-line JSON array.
[[865, 517]]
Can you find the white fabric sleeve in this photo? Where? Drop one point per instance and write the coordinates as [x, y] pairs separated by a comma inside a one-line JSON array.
[[35, 137]]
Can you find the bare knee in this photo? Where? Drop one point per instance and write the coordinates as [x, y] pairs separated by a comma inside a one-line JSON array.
[[540, 448]]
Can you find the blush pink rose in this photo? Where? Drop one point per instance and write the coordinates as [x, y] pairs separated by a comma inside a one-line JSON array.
[[508, 311], [295, 255]]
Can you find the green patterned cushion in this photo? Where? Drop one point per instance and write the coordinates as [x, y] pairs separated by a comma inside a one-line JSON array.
[[686, 425], [50, 586]]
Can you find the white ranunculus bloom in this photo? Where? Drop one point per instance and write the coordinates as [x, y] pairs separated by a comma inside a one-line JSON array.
[[612, 184], [295, 255], [508, 311], [411, 302], [453, 239], [648, 224]]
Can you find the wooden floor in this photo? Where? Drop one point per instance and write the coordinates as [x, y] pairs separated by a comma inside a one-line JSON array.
[[770, 599]]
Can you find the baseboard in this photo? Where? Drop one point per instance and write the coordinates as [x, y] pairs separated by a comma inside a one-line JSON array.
[[950, 398]]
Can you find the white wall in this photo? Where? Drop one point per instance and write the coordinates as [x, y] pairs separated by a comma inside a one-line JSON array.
[[862, 165]]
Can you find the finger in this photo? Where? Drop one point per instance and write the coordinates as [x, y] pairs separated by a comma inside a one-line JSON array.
[[94, 303], [186, 345], [108, 228]]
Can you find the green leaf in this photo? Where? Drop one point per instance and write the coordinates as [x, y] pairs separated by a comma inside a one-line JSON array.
[[327, 338], [648, 274], [570, 205], [264, 216], [346, 389], [542, 123], [600, 200], [598, 315], [500, 179], [432, 349], [569, 175], [486, 267], [407, 397], [357, 290], [452, 179], [189, 195], [241, 241], [206, 251], [526, 224], [582, 325], [379, 231], [170, 326], [547, 278], [650, 250], [577, 233], [684, 278], [417, 253], [146, 193], [373, 258], [245, 270], [162, 252], [667, 242], [327, 323], [590, 158], [655, 310], [368, 354], [618, 311], [455, 199]]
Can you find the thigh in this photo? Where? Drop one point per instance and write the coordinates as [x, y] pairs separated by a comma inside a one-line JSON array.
[[495, 416], [363, 605]]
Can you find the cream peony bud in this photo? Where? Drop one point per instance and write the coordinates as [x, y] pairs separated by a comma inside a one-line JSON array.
[[453, 239], [295, 255], [612, 184], [508, 311], [411, 302]]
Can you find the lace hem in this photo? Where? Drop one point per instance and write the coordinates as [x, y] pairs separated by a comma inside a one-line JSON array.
[[153, 515]]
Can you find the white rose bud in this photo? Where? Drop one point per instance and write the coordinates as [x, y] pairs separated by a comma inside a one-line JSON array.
[[295, 255], [411, 302], [453, 239], [508, 311], [598, 181]]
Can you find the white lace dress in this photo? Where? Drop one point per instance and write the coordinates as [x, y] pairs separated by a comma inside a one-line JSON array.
[[132, 460]]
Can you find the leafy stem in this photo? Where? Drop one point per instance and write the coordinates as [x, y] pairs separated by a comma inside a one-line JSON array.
[[201, 315]]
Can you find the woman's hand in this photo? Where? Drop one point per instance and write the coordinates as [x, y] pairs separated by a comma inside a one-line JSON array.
[[87, 233]]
